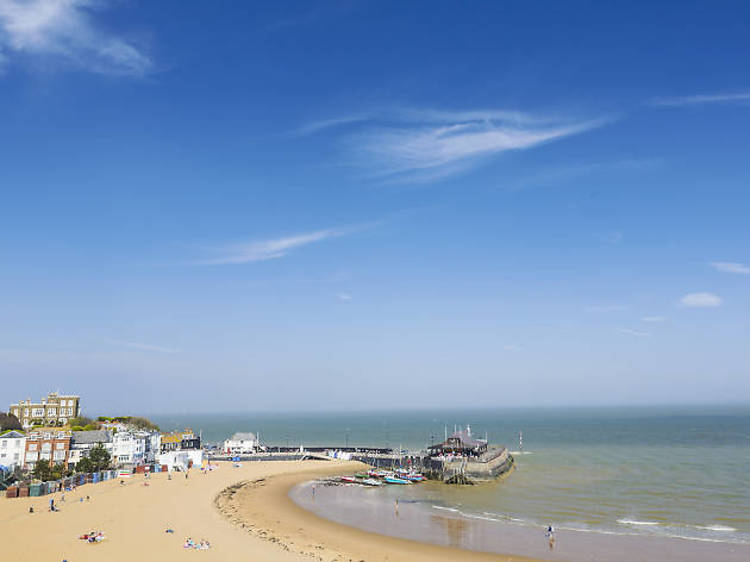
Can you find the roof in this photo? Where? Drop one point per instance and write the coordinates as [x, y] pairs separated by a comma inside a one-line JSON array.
[[12, 434], [92, 437], [177, 436], [243, 437], [465, 438]]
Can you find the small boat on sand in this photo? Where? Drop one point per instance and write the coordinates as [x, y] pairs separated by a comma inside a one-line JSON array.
[[371, 482], [396, 480], [349, 479]]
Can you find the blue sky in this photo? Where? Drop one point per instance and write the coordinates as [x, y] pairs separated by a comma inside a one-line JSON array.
[[232, 206]]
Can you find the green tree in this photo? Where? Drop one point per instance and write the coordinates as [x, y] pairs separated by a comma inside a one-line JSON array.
[[85, 466], [99, 457], [142, 423], [44, 472], [41, 471], [83, 421], [9, 421]]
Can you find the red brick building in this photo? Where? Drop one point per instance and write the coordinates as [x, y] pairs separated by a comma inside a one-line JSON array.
[[52, 447]]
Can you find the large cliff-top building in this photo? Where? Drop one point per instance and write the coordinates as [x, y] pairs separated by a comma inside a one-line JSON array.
[[56, 409]]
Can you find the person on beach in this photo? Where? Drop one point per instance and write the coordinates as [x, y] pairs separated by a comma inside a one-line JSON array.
[[52, 504], [395, 507], [551, 536]]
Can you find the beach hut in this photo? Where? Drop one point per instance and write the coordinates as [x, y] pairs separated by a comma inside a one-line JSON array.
[[11, 492], [35, 489], [95, 477], [23, 491]]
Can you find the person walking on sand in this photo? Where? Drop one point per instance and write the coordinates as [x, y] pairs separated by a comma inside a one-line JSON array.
[[395, 507], [551, 536]]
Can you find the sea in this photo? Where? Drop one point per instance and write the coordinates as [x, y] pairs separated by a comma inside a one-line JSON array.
[[681, 472]]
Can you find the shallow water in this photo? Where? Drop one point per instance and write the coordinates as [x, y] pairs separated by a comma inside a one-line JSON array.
[[677, 472]]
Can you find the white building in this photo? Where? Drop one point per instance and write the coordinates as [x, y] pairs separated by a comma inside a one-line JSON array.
[[135, 446], [83, 441], [12, 449], [129, 447], [181, 459], [241, 444]]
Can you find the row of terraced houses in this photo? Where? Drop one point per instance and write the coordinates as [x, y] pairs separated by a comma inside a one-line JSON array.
[[127, 447]]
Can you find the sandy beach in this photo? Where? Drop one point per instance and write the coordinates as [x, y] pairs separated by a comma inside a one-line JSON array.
[[245, 513]]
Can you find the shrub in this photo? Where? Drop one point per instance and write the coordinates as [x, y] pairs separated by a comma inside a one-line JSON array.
[[9, 421]]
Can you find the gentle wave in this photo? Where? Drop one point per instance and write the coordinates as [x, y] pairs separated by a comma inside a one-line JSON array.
[[718, 528], [634, 522], [661, 529], [446, 508]]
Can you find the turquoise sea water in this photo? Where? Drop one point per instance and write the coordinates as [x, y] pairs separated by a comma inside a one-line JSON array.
[[648, 471]]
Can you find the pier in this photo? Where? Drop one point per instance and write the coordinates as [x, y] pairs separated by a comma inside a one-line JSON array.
[[491, 464]]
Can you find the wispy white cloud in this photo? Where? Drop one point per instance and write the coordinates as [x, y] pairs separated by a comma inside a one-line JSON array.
[[701, 300], [654, 319], [145, 346], [345, 297], [631, 332], [680, 101], [271, 248], [731, 267], [570, 172], [430, 152], [422, 145], [66, 30], [606, 308], [317, 126]]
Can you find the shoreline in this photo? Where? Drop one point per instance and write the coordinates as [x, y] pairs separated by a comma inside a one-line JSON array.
[[303, 532], [357, 507]]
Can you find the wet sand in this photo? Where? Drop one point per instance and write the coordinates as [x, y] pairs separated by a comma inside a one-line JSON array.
[[373, 509]]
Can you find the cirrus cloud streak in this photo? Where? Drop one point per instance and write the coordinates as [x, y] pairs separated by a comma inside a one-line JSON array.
[[66, 31]]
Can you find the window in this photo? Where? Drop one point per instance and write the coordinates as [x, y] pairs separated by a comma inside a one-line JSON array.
[[26, 412], [59, 455], [46, 456], [32, 457], [5, 444], [46, 446], [37, 412], [59, 446], [51, 411], [32, 446]]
